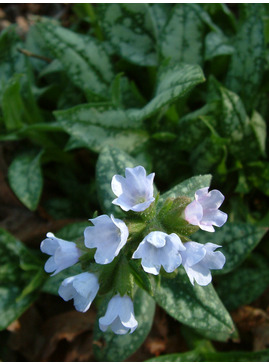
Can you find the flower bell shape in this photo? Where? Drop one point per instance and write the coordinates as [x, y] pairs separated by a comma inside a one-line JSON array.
[[108, 235], [159, 249], [82, 288], [198, 259], [204, 212], [119, 316], [63, 253], [135, 190]]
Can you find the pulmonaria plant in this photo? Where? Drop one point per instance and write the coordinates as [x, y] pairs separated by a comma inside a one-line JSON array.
[[158, 234]]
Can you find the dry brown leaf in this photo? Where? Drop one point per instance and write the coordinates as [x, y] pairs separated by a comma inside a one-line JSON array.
[[156, 346], [66, 326]]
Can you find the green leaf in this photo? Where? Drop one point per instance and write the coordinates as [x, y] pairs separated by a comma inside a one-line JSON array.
[[258, 175], [189, 356], [10, 307], [120, 347], [195, 306], [25, 178], [21, 274], [245, 284], [237, 356], [237, 241], [160, 13], [216, 44], [200, 356], [12, 104], [207, 154], [11, 60], [97, 125], [173, 82], [83, 58], [188, 187], [235, 125], [258, 125], [98, 114], [247, 64], [183, 35], [111, 161], [130, 30]]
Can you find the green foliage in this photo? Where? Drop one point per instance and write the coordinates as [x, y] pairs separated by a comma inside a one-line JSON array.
[[199, 356], [25, 178], [21, 275], [83, 58], [188, 187], [195, 306], [181, 89], [131, 32], [237, 241]]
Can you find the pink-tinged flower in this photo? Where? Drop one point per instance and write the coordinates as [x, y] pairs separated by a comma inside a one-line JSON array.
[[198, 259], [108, 235], [159, 249], [119, 316], [204, 212], [82, 288], [63, 253], [134, 191]]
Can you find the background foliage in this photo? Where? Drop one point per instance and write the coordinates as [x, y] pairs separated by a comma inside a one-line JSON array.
[[180, 89]]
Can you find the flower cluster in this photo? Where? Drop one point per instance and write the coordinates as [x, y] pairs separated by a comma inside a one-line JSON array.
[[157, 247]]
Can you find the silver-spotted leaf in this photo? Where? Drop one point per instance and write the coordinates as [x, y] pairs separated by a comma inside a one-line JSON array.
[[187, 187], [97, 125], [247, 64], [83, 58], [183, 35], [237, 241], [173, 83], [130, 29], [25, 178], [195, 306]]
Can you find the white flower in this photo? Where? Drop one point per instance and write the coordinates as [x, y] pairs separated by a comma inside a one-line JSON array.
[[119, 316], [63, 253], [82, 288], [108, 235], [203, 211], [198, 259], [135, 191], [157, 249]]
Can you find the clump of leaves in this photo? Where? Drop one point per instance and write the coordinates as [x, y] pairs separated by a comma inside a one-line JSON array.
[[180, 89]]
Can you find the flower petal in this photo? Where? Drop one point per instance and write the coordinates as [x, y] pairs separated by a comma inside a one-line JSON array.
[[156, 238], [213, 200], [108, 235], [135, 192], [199, 273], [214, 217], [194, 213], [193, 254]]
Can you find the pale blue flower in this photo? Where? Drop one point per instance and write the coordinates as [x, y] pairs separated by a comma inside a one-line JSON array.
[[119, 316], [63, 253], [135, 190], [159, 249], [198, 259], [204, 212], [82, 288], [108, 235]]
